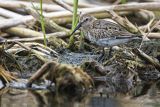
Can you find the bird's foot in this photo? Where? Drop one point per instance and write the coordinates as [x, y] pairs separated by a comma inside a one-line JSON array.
[[101, 58]]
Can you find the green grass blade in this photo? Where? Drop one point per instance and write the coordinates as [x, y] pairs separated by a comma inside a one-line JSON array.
[[74, 22], [42, 23]]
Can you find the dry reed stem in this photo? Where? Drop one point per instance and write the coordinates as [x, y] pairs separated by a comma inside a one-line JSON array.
[[122, 7]]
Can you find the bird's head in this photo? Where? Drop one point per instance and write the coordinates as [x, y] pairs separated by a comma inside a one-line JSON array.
[[84, 21]]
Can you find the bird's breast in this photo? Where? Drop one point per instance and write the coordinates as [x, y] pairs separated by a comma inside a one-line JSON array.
[[90, 37]]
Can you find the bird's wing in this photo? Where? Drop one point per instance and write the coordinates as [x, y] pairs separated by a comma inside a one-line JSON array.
[[114, 41], [111, 28]]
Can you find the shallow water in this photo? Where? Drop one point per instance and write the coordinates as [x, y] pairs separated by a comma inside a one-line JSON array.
[[44, 98]]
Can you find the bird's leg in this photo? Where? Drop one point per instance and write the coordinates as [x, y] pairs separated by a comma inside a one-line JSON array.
[[110, 53], [102, 56]]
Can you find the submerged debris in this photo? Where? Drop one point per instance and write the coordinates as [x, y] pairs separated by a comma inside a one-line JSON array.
[[66, 78]]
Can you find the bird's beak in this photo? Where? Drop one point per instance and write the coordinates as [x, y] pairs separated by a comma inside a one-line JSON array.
[[78, 26]]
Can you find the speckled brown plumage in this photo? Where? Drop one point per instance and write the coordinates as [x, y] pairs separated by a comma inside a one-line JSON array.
[[102, 32]]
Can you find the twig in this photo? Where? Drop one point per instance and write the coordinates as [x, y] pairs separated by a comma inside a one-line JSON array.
[[147, 58], [123, 22], [50, 24], [17, 5], [57, 34], [153, 35], [46, 7], [6, 23], [146, 15], [23, 46], [9, 56], [81, 4], [64, 5], [124, 7], [9, 14], [149, 33], [48, 66], [117, 2], [37, 53], [68, 19], [62, 35], [35, 44], [22, 32]]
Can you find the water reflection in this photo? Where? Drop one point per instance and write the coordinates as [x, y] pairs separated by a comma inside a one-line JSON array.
[[104, 102], [44, 98]]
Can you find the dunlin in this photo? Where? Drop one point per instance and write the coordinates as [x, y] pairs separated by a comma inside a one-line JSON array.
[[103, 33]]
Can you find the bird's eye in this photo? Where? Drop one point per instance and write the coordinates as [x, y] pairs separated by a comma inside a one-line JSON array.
[[86, 19]]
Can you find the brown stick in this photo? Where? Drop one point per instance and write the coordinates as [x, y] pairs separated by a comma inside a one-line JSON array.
[[123, 22], [50, 24], [62, 35], [15, 21], [9, 14], [17, 5], [65, 20], [43, 70], [22, 32], [153, 35], [46, 7], [147, 58], [57, 34], [80, 4], [64, 5], [124, 7]]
